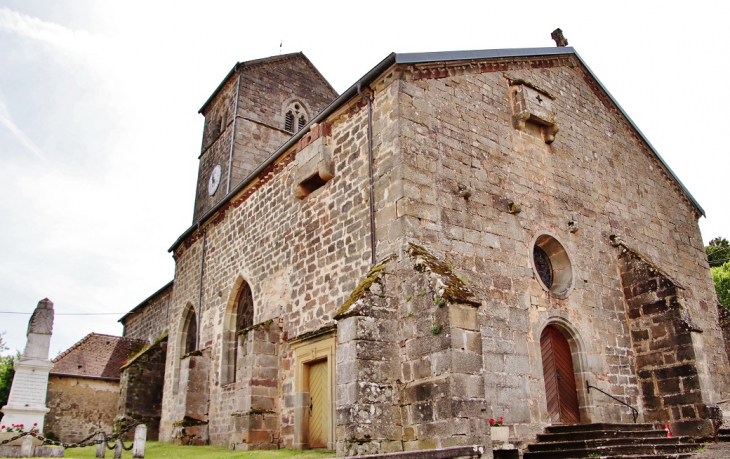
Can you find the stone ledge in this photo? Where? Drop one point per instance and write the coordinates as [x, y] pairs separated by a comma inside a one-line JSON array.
[[440, 453], [39, 451]]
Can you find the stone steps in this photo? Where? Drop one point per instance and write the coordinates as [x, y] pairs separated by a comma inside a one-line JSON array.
[[609, 441], [723, 434]]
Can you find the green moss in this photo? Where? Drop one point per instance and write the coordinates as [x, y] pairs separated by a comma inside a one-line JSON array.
[[160, 450], [265, 324], [191, 354], [188, 422], [362, 289], [455, 290], [145, 350]]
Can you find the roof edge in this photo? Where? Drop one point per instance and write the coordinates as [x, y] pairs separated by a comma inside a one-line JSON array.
[[415, 58], [643, 137], [100, 378], [328, 110], [131, 311], [253, 62]]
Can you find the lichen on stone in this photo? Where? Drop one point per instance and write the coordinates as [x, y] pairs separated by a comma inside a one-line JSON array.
[[449, 287], [362, 289]]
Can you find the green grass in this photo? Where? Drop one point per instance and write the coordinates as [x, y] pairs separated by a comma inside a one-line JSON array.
[[156, 449]]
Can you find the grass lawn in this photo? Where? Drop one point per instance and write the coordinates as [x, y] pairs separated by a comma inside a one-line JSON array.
[[156, 449]]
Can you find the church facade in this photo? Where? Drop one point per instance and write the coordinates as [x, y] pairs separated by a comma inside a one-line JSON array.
[[457, 237]]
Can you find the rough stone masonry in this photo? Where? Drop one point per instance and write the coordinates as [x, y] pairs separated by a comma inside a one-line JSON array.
[[511, 196]]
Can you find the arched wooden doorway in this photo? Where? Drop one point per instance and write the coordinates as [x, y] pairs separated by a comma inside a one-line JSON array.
[[557, 367]]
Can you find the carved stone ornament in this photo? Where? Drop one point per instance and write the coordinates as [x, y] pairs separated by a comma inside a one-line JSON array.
[[530, 104], [315, 167], [41, 322]]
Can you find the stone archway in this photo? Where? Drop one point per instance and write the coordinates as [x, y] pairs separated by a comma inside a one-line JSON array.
[[564, 373]]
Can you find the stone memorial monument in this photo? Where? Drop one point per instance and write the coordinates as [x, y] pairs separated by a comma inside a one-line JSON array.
[[27, 400]]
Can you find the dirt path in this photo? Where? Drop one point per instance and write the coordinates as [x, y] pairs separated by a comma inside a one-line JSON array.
[[715, 451]]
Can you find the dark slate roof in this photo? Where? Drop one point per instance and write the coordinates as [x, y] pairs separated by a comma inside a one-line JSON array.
[[417, 58], [265, 60], [148, 299], [96, 356]]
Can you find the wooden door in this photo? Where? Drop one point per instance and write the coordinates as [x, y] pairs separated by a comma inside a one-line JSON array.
[[318, 403], [557, 367]]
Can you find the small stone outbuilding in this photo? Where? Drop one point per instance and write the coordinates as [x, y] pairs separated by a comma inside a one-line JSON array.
[[83, 386]]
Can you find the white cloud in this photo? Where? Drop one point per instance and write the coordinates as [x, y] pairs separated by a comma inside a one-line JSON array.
[[78, 42], [7, 121]]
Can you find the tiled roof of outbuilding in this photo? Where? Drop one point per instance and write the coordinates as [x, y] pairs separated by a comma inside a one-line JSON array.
[[96, 356]]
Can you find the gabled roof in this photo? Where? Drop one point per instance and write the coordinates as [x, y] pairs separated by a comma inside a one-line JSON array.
[[96, 356], [418, 58], [267, 60]]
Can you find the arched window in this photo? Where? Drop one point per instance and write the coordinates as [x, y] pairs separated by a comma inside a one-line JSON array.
[[237, 319], [191, 332], [244, 309], [295, 116]]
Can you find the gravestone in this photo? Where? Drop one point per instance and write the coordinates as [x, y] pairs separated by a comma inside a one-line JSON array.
[[27, 400]]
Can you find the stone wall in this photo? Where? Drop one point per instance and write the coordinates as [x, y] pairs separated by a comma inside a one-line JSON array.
[[148, 321], [80, 407], [409, 367], [192, 400], [725, 325], [140, 388], [269, 238], [668, 361]]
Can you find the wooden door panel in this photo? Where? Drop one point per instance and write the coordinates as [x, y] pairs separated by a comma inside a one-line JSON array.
[[560, 390], [318, 402]]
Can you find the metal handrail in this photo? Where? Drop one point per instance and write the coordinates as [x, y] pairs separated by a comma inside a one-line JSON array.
[[634, 411]]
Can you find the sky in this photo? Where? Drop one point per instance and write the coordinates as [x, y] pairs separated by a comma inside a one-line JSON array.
[[100, 131]]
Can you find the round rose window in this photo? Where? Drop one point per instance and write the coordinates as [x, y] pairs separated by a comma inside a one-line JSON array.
[[551, 265]]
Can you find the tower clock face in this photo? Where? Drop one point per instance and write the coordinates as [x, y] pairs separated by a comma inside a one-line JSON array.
[[215, 180]]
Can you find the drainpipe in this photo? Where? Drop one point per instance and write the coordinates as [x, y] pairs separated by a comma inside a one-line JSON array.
[[370, 172], [233, 136], [200, 292]]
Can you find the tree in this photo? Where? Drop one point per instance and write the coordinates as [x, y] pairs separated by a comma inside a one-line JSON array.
[[718, 252], [6, 373], [721, 277]]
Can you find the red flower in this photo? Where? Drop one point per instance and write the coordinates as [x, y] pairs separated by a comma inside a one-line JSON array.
[[491, 421], [35, 423]]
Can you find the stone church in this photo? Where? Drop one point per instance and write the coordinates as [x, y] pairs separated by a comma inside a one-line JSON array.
[[458, 236]]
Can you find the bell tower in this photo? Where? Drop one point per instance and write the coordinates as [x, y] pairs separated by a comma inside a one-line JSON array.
[[255, 109]]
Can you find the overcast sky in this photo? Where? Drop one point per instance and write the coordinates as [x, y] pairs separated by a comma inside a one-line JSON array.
[[99, 130]]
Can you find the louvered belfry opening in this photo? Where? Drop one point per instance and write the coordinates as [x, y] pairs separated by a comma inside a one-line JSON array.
[[289, 122], [557, 365], [302, 123]]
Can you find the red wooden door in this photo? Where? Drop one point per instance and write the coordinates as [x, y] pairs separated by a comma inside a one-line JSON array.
[[557, 367]]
